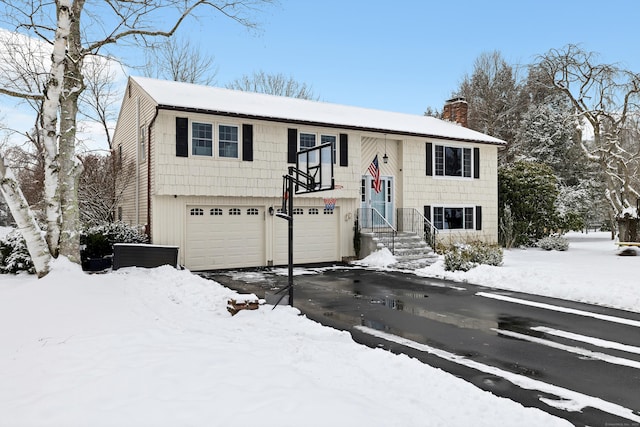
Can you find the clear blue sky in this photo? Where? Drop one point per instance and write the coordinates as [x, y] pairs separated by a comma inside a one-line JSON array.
[[406, 55]]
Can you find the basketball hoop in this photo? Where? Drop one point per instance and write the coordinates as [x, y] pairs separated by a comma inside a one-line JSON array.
[[329, 204]]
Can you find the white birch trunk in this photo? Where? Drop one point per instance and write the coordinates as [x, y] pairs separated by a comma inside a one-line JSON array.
[[22, 214], [50, 108]]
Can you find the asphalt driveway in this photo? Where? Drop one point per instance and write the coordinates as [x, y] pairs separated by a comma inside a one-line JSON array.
[[555, 355]]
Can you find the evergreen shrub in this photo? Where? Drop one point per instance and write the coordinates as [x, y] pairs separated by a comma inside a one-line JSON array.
[[14, 256], [464, 257], [553, 243], [98, 241]]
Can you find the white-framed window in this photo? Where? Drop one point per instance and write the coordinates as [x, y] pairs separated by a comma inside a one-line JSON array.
[[454, 218], [215, 212], [453, 161], [306, 140], [326, 139], [228, 141], [328, 211], [298, 211], [197, 212], [313, 211], [235, 211], [252, 211], [201, 139]]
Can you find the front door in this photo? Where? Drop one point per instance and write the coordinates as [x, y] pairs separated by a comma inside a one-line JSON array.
[[382, 201]]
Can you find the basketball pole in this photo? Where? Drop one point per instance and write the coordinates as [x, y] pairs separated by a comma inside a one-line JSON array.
[[290, 207]]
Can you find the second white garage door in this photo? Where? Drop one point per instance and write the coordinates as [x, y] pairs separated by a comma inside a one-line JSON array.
[[315, 236], [224, 237]]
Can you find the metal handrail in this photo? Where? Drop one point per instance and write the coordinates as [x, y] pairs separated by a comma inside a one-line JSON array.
[[371, 220], [411, 220]]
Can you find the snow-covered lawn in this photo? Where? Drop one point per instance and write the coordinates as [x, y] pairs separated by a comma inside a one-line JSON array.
[[157, 347]]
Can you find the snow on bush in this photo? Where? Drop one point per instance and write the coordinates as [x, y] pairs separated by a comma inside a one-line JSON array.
[[464, 257], [98, 241], [555, 243], [14, 256]]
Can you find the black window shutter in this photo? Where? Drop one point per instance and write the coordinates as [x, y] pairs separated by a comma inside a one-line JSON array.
[[292, 145], [344, 149], [427, 212], [182, 137], [429, 159], [476, 163], [478, 217], [247, 143]]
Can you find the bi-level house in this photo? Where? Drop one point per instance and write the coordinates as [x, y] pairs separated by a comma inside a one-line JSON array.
[[209, 165]]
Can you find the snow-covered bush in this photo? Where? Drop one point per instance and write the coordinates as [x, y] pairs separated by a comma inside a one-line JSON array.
[[464, 257], [458, 259], [14, 256], [555, 243], [98, 241]]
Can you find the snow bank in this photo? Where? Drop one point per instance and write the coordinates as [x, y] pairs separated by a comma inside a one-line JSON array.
[[157, 347]]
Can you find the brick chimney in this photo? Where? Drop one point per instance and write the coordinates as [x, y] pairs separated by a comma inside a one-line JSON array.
[[455, 110]]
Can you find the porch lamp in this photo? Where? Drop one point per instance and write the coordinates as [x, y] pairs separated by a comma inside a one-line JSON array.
[[385, 158]]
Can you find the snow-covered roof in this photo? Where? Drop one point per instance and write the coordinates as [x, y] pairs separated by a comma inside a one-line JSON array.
[[191, 97]]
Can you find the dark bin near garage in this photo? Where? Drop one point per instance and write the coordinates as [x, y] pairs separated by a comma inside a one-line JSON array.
[[140, 255]]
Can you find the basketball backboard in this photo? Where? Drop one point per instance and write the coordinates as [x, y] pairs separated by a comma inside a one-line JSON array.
[[314, 169]]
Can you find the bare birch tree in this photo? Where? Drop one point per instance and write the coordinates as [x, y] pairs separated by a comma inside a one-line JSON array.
[[74, 34], [607, 98]]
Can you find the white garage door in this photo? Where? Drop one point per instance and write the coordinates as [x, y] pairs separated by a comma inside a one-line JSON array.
[[224, 237], [315, 236]]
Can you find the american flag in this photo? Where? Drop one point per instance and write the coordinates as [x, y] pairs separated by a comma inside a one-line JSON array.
[[374, 170]]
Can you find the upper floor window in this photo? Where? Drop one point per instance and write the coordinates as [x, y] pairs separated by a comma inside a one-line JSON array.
[[201, 139], [228, 144], [326, 139], [307, 140], [453, 161]]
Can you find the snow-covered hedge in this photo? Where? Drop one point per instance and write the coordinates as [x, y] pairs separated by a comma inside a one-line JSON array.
[[14, 256], [555, 243], [98, 241], [464, 257]]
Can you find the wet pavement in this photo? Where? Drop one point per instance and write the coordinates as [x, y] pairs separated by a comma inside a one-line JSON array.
[[488, 337]]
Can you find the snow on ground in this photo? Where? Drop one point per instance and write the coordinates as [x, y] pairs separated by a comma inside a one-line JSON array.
[[157, 347], [590, 271]]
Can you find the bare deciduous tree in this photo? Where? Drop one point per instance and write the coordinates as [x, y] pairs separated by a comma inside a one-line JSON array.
[[74, 33], [102, 184], [492, 92], [273, 84], [180, 61], [607, 97]]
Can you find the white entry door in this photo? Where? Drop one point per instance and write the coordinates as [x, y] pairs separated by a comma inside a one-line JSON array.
[[381, 201]]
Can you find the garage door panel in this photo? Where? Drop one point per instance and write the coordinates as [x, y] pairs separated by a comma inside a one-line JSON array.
[[225, 241], [315, 238]]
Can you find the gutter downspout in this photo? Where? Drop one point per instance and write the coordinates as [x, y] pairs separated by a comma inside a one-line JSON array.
[[153, 119], [137, 142]]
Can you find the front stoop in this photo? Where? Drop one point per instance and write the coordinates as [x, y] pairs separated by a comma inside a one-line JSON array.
[[412, 252]]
